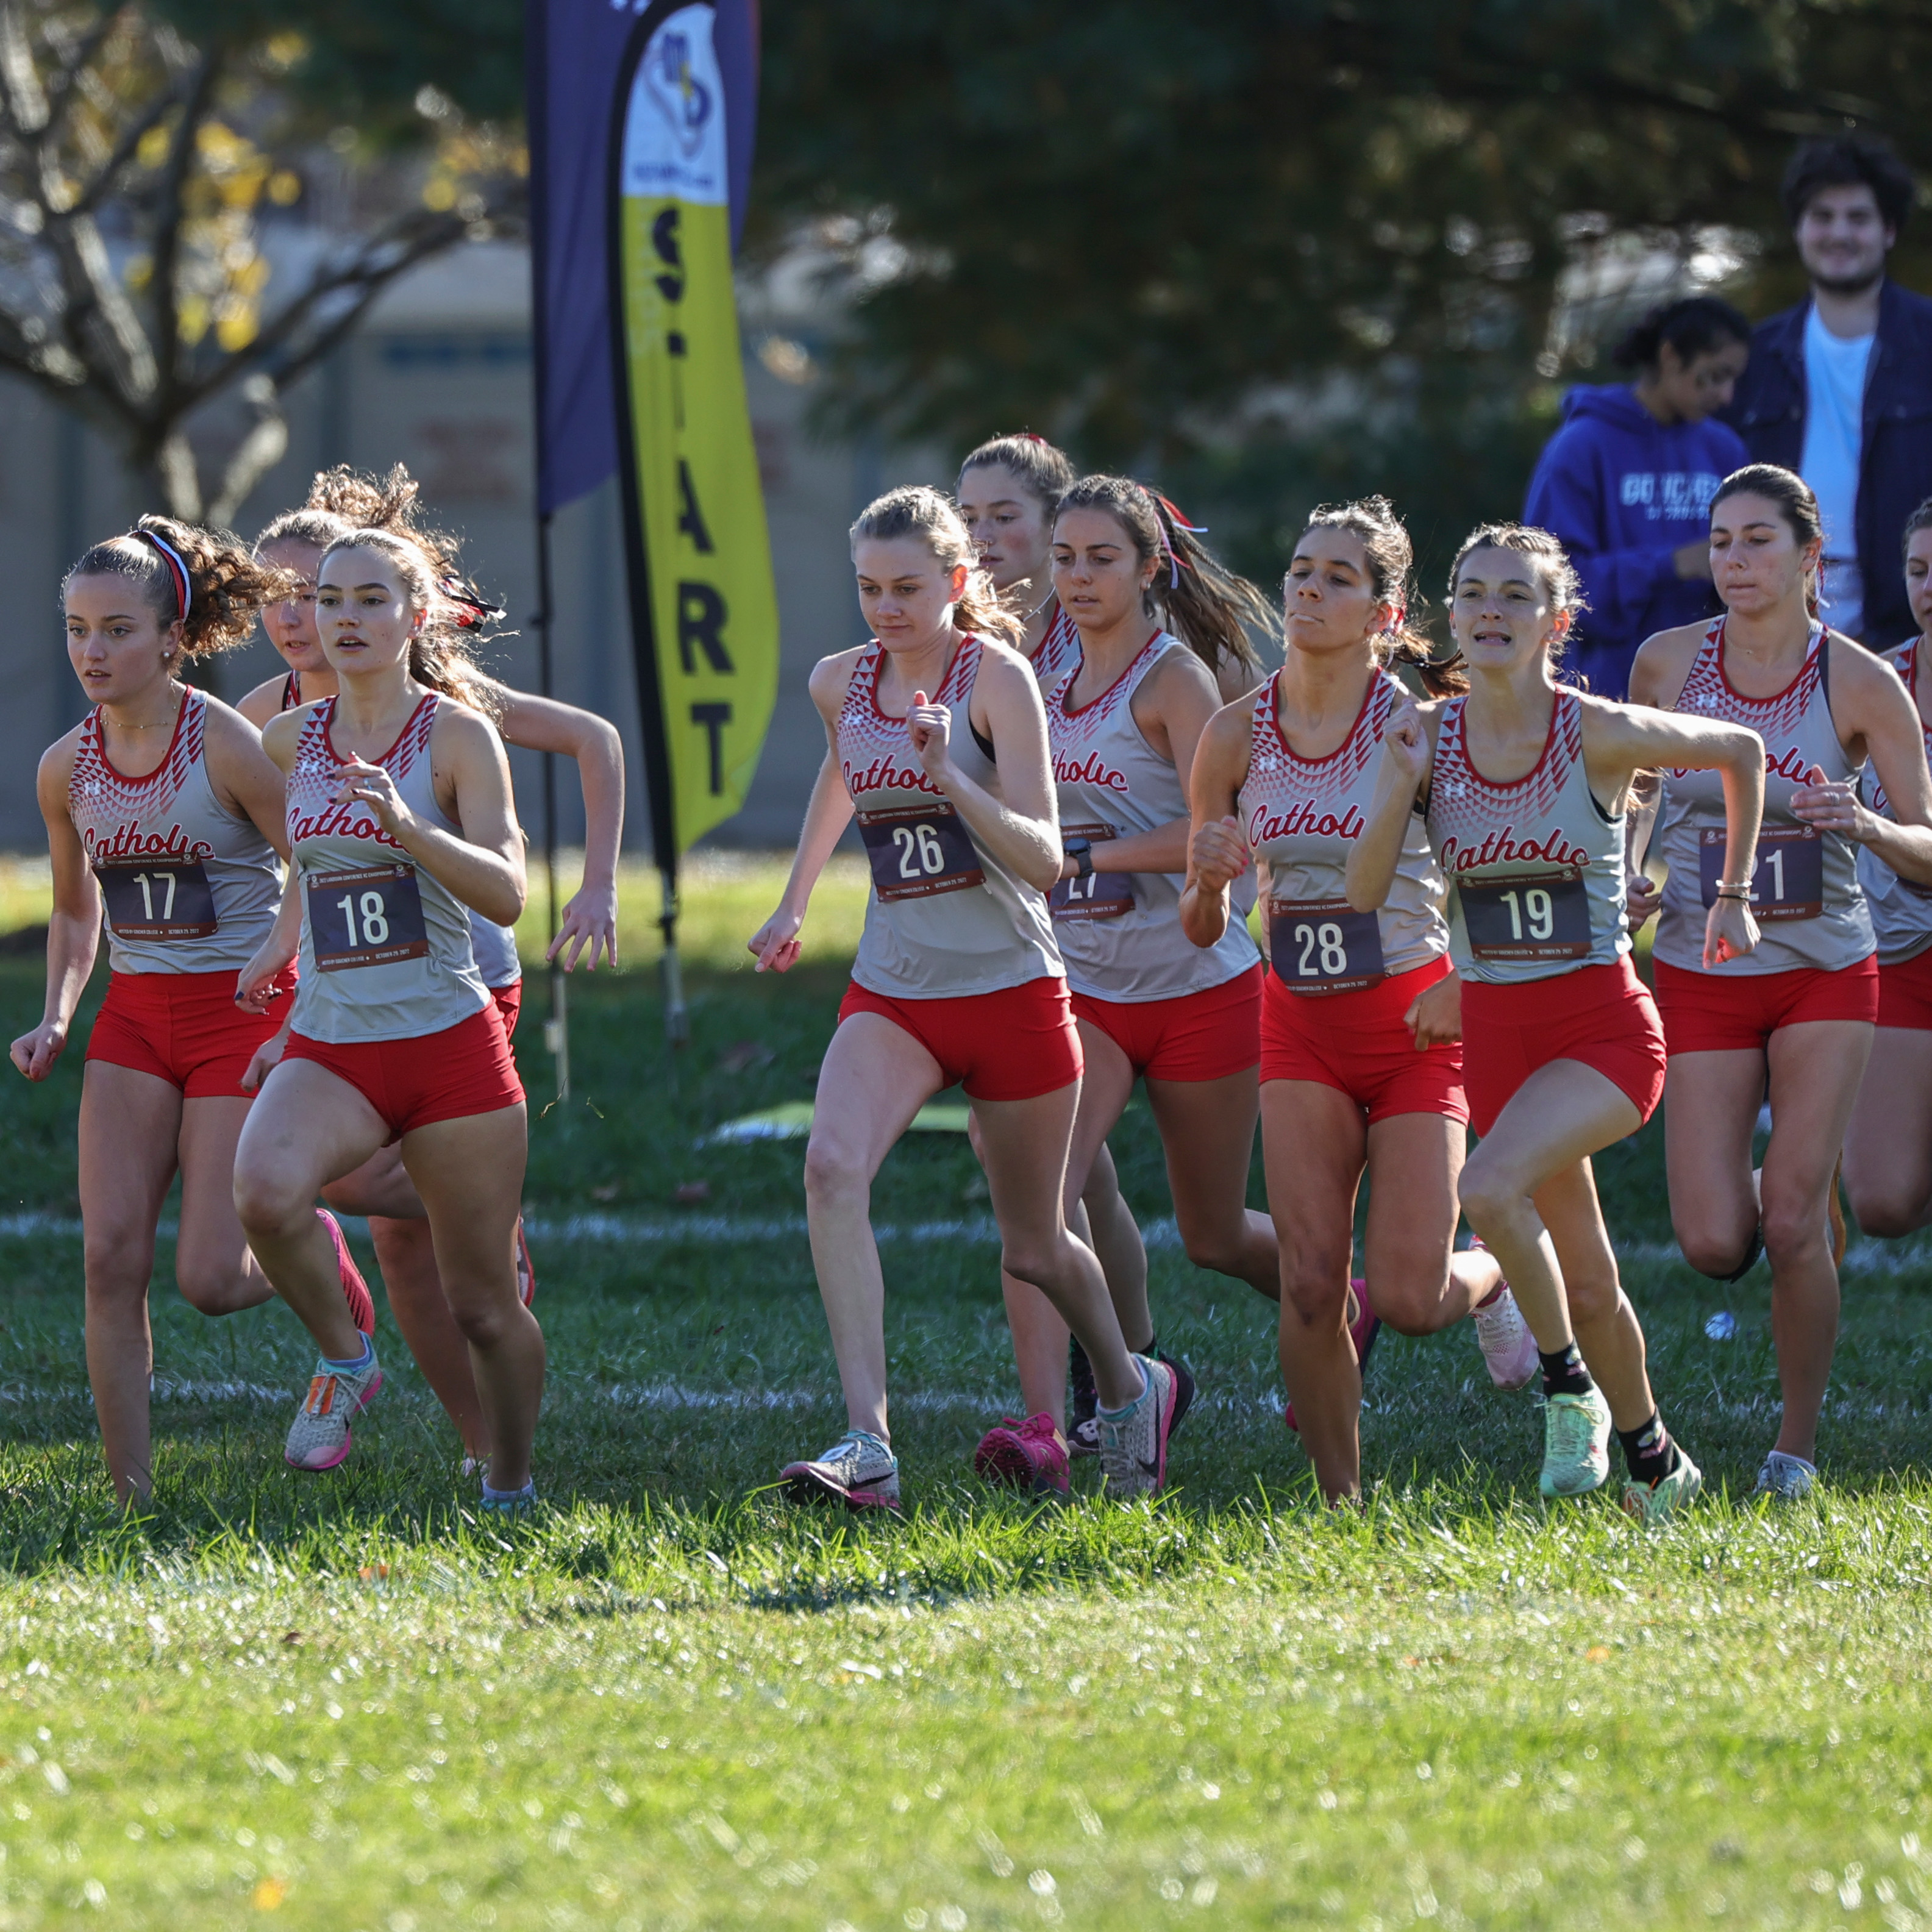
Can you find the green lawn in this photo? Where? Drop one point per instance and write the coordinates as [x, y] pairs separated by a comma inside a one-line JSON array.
[[671, 1702]]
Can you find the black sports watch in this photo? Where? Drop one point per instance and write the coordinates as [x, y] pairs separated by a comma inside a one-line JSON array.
[[1081, 851]]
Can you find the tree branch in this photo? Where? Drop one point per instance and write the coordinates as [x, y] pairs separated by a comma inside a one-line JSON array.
[[166, 332]]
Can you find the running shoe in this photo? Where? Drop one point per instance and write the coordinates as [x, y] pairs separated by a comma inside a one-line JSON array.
[[512, 1505], [1785, 1479], [1364, 1325], [526, 1269], [1834, 1217], [1028, 1454], [1508, 1348], [1576, 1444], [1650, 1503], [1083, 1433], [1183, 1386], [355, 1289], [318, 1436], [858, 1471], [1133, 1445]]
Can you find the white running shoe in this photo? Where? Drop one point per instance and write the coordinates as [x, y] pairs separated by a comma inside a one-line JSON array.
[[1785, 1479], [1133, 1445], [1576, 1444], [1508, 1347], [318, 1436], [858, 1471]]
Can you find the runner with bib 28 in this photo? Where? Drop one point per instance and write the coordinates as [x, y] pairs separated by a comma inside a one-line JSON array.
[[1792, 1022], [1361, 1062], [958, 976], [1525, 783]]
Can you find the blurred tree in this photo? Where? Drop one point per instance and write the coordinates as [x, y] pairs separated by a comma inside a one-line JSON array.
[[160, 247], [1303, 246]]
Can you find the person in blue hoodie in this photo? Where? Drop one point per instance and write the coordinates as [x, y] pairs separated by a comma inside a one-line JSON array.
[[1626, 484]]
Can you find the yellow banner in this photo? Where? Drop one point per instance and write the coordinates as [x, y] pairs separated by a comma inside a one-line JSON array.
[[697, 507]]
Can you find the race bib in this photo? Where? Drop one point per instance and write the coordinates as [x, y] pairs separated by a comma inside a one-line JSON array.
[[1789, 881], [169, 900], [918, 851], [1324, 946], [1532, 916], [372, 916], [1099, 895]]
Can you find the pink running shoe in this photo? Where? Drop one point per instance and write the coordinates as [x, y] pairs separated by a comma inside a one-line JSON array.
[[1030, 1455], [1363, 1330], [1508, 1347], [526, 1269], [355, 1289]]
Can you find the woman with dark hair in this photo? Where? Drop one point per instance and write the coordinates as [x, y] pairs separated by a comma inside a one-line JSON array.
[[1625, 485], [1791, 1020], [1361, 1059], [1007, 489], [1889, 1145]]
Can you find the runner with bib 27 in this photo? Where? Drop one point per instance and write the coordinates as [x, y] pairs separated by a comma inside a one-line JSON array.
[[1525, 783], [958, 976], [162, 808], [1361, 1062], [1793, 1021]]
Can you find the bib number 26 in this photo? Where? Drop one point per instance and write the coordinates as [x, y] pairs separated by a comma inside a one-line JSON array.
[[919, 851]]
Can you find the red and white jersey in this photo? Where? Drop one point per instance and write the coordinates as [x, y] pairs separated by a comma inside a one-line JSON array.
[[1120, 932], [190, 886], [946, 920], [1058, 652], [1901, 912], [1303, 817], [1537, 865], [385, 947], [1811, 909]]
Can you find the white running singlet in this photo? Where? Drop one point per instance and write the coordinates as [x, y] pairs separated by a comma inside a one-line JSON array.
[[1901, 912]]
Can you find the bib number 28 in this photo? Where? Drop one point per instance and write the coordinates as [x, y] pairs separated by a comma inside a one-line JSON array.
[[370, 917]]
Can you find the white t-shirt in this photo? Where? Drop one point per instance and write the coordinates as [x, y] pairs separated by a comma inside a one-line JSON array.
[[1834, 381]]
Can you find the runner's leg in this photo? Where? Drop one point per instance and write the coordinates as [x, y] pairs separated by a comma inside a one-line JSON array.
[[213, 1266], [1417, 1283], [1888, 1144], [1711, 1102], [1208, 1134]]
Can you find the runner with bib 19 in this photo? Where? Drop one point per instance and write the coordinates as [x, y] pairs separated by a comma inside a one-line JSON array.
[[936, 737], [1525, 783], [400, 823], [1160, 621], [1361, 1066], [1889, 1145], [162, 808], [1792, 1022]]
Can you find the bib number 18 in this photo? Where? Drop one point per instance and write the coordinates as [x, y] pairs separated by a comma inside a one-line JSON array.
[[370, 917]]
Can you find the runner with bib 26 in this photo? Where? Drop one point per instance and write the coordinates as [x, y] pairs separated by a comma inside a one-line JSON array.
[[1525, 783]]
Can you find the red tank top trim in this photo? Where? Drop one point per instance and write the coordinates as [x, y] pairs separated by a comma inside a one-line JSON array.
[[91, 759]]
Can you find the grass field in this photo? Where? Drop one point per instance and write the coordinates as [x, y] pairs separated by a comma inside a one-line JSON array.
[[669, 1702]]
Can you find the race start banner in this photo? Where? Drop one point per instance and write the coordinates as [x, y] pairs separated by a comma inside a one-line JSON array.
[[641, 126]]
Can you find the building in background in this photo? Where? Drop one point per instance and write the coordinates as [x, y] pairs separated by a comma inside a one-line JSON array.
[[439, 378]]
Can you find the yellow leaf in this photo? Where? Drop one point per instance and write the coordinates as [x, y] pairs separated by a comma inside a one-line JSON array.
[[152, 149], [1598, 1653], [268, 1895], [284, 187], [439, 193]]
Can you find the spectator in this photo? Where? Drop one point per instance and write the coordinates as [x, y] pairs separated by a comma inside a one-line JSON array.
[[1626, 484], [1840, 388]]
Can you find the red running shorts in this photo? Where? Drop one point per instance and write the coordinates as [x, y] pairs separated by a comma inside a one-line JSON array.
[[1356, 1042], [1204, 1035], [1721, 1012], [509, 1003], [1602, 1015], [465, 1069], [184, 1028], [1905, 993], [1013, 1044]]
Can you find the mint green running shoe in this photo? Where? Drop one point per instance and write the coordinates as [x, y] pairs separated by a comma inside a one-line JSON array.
[[1576, 1444], [1650, 1503]]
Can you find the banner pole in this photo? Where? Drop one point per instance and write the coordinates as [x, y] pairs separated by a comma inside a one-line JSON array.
[[556, 1028], [677, 1015]]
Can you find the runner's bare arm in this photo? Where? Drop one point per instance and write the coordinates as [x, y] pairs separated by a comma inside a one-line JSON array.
[[1217, 849], [1409, 750], [1172, 708], [542, 724], [264, 702], [73, 925], [1868, 702], [246, 779]]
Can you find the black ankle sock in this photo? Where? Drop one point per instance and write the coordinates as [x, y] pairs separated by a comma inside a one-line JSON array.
[[1649, 1450], [1152, 1349], [1564, 1372]]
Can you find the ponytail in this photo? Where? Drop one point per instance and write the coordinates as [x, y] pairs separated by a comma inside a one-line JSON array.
[[206, 578], [916, 510]]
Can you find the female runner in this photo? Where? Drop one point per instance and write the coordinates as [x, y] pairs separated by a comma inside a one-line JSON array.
[[340, 501], [1361, 1059], [400, 821], [1799, 1012], [958, 977], [1526, 783], [1889, 1145], [1122, 726], [1007, 491], [161, 807]]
